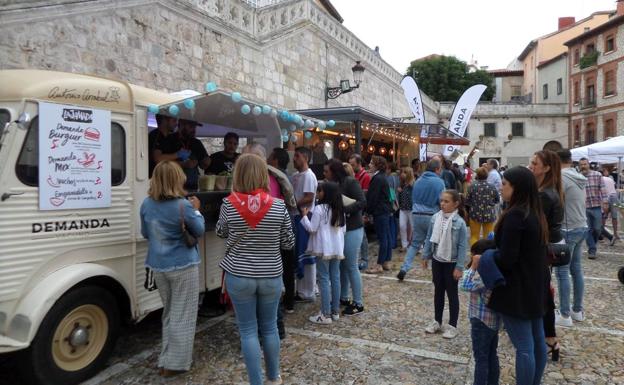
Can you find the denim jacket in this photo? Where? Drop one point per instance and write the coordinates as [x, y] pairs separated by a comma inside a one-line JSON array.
[[459, 235], [161, 226]]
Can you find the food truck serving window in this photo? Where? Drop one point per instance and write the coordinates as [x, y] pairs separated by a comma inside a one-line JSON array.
[[5, 116], [27, 168]]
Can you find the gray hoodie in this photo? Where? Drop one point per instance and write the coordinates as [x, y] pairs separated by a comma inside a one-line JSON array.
[[574, 205]]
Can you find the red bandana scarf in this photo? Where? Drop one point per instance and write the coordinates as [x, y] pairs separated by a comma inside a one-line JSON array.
[[253, 206]]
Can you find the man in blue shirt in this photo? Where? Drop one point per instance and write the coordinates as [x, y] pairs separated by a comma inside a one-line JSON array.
[[425, 203]]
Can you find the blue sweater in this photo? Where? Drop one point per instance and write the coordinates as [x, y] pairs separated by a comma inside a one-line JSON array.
[[161, 225], [426, 193]]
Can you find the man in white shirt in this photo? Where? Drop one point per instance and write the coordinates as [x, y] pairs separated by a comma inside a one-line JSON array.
[[612, 195], [304, 184], [494, 177]]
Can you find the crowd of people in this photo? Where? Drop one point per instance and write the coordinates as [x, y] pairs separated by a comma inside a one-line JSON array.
[[293, 238]]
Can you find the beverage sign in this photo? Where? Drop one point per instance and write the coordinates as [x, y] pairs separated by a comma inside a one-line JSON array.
[[74, 157]]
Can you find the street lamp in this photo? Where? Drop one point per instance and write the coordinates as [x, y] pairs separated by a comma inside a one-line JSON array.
[[345, 85]]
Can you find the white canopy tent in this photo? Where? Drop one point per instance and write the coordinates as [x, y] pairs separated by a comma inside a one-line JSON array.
[[608, 151]]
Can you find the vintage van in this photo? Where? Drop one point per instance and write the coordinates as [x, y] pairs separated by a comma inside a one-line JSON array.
[[70, 276]]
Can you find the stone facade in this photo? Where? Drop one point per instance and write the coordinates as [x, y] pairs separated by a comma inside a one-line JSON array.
[[541, 123], [284, 54], [552, 78]]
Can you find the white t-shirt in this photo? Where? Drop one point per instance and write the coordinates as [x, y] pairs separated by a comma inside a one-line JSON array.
[[305, 182], [609, 185], [494, 178]]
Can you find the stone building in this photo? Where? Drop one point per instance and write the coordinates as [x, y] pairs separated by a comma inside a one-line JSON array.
[[285, 53], [596, 79]]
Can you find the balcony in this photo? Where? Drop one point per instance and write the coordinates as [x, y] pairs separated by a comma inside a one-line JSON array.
[[589, 59], [588, 103]]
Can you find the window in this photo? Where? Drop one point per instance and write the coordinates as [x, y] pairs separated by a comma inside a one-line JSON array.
[[517, 129], [609, 44], [489, 129], [590, 48], [5, 117], [27, 168], [609, 128], [576, 92], [516, 91], [559, 86], [590, 133], [577, 56], [545, 91], [590, 95], [609, 83], [577, 134]]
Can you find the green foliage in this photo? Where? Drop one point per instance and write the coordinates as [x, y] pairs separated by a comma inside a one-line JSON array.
[[445, 78], [589, 59]]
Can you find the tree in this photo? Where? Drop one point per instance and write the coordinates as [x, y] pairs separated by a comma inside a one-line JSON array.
[[445, 78]]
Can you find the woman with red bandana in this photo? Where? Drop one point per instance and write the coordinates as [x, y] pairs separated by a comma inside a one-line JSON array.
[[256, 226]]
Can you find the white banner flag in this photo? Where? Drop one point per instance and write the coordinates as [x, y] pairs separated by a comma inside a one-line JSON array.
[[462, 112], [414, 100]]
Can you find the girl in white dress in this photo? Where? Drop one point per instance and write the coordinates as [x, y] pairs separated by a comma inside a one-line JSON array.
[[326, 243]]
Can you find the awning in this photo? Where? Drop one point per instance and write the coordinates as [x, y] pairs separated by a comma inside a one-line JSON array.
[[377, 124]]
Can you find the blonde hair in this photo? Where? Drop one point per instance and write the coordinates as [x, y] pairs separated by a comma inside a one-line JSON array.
[[409, 174], [250, 173], [167, 181], [348, 169]]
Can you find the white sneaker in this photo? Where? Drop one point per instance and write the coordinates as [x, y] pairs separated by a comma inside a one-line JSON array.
[[562, 320], [320, 319], [449, 332], [335, 317], [434, 327], [578, 316]]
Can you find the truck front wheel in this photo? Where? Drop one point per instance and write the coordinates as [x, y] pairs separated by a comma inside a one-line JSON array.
[[75, 338]]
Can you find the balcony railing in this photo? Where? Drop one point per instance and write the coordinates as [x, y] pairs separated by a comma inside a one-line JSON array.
[[588, 103]]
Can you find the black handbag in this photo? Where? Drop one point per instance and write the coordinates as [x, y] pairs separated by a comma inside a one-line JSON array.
[[189, 239], [558, 254]]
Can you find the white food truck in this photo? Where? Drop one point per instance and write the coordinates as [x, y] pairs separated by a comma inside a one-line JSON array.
[[73, 174]]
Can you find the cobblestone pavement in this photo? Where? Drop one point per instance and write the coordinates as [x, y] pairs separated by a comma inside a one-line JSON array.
[[387, 344]]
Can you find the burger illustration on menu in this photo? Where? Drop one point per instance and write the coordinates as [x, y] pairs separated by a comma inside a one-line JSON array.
[[92, 134]]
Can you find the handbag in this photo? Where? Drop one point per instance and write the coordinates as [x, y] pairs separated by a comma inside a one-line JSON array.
[[558, 254], [188, 238]]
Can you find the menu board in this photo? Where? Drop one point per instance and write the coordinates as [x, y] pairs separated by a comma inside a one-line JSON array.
[[74, 157]]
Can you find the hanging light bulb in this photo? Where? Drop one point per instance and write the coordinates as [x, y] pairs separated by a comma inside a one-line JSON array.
[[391, 152], [342, 145], [382, 151], [371, 149]]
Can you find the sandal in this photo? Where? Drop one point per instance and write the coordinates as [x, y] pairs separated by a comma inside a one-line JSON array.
[[375, 269]]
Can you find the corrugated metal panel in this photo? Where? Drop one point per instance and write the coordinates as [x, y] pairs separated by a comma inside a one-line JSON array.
[[23, 253]]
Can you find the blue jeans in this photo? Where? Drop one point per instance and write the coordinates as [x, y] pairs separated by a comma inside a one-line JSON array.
[[527, 337], [382, 229], [484, 345], [364, 251], [574, 238], [420, 224], [393, 231], [328, 274], [594, 222], [248, 296], [349, 272]]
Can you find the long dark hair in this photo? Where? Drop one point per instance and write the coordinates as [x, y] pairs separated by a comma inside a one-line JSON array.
[[525, 197], [333, 199], [458, 198], [552, 179], [339, 174]]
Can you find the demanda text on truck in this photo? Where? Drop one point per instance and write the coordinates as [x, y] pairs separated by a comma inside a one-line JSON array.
[[74, 340]]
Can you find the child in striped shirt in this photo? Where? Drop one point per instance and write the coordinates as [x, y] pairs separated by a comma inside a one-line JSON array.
[[484, 322]]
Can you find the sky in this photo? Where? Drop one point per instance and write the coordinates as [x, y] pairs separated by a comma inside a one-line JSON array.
[[493, 32]]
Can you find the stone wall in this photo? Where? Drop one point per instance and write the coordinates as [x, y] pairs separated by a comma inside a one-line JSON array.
[[284, 55]]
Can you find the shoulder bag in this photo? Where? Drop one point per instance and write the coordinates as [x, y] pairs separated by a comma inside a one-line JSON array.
[[189, 239], [558, 254]]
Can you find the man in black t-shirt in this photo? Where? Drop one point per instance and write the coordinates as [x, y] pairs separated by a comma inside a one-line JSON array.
[[199, 156], [164, 144], [224, 160]]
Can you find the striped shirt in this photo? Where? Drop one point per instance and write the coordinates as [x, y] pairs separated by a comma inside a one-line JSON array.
[[255, 252], [479, 296]]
